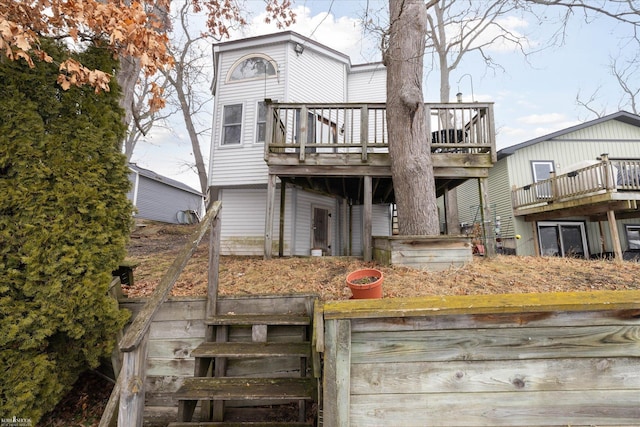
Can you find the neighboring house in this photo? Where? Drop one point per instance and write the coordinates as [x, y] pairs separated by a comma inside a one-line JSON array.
[[159, 198], [294, 115], [574, 192]]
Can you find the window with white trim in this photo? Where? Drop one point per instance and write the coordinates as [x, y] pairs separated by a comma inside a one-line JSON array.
[[255, 66], [232, 124], [261, 121]]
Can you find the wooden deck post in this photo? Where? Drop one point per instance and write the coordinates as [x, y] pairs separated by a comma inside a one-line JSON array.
[[283, 193], [451, 210], [337, 387], [214, 263], [131, 410], [615, 237], [485, 213], [268, 222], [367, 251]]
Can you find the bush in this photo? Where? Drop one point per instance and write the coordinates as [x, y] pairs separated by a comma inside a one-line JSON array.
[[64, 224]]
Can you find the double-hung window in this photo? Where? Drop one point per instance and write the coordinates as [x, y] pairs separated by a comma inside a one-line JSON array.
[[261, 121], [232, 124]]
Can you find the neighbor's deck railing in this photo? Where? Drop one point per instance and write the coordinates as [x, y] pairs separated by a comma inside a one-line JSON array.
[[606, 176], [127, 397], [362, 128]]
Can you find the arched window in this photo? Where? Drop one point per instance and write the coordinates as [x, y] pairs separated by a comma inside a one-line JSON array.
[[251, 67]]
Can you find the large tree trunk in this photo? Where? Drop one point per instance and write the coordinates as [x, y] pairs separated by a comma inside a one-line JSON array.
[[409, 139]]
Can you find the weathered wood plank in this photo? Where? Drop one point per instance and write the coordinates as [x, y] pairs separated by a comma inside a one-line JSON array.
[[499, 320], [256, 367], [241, 424], [259, 319], [496, 344], [131, 409], [482, 304], [170, 367], [173, 348], [592, 408], [496, 376], [193, 308], [247, 389], [336, 386], [252, 349], [176, 329]]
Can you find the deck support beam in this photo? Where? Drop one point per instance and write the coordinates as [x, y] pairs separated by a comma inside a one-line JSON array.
[[283, 191], [485, 213], [451, 210], [268, 222], [367, 243], [615, 237]]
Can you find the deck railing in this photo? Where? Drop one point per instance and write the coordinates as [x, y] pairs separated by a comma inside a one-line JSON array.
[[127, 397], [606, 176], [362, 128]]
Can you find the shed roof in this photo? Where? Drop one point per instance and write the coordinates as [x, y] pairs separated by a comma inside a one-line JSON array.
[[622, 116], [163, 179]]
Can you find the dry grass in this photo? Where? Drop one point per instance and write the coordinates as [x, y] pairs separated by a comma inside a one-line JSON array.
[[154, 249]]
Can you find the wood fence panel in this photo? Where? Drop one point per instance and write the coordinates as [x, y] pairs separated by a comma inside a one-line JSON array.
[[496, 344], [593, 408], [496, 376], [502, 360]]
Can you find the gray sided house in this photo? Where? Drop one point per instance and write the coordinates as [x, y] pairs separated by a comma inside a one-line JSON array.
[[285, 68], [163, 199], [574, 192]]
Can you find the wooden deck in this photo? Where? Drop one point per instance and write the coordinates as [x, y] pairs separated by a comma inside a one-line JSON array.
[[611, 185], [329, 147]]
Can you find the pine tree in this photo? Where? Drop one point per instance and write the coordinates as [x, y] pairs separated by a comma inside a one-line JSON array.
[[64, 223]]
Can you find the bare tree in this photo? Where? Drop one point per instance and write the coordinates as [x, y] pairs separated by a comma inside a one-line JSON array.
[[409, 142], [187, 79], [410, 23], [626, 74], [143, 118]]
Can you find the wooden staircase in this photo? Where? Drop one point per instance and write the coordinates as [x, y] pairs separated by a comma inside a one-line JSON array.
[[231, 397]]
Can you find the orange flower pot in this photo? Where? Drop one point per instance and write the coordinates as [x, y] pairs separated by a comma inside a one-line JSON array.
[[365, 283]]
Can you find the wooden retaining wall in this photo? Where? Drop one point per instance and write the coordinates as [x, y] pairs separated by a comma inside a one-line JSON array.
[[501, 360], [179, 327], [423, 252]]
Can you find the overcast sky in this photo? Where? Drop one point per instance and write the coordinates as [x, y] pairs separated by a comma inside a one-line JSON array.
[[532, 97]]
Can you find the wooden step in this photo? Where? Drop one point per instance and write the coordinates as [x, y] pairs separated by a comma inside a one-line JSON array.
[[259, 319], [238, 424], [252, 349], [234, 388]]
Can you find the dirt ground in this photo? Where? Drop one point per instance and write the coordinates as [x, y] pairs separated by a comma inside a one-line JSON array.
[[155, 246]]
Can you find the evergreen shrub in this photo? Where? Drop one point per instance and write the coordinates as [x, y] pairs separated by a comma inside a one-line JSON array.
[[64, 224]]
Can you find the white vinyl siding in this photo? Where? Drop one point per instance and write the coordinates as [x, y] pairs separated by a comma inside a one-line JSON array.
[[315, 77], [368, 85], [243, 164], [243, 221], [380, 225]]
